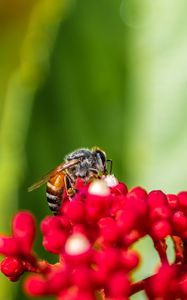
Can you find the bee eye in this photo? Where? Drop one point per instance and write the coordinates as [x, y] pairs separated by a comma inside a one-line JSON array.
[[102, 156]]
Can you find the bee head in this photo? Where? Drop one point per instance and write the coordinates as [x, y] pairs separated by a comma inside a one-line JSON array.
[[100, 156], [102, 159]]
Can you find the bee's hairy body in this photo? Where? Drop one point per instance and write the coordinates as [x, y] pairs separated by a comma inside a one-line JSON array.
[[89, 164]]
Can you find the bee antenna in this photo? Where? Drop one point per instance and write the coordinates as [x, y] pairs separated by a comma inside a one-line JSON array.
[[110, 161]]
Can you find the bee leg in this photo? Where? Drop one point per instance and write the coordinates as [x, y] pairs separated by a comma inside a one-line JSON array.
[[94, 170], [95, 174], [69, 186]]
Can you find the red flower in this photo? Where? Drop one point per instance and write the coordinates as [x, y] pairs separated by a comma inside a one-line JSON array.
[[93, 235]]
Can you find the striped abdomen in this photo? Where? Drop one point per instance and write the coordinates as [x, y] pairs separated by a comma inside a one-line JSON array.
[[55, 187]]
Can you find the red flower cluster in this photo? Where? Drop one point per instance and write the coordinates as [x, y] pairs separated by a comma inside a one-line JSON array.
[[93, 235]]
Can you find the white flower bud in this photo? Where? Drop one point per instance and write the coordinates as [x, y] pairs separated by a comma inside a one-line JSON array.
[[110, 180], [77, 244], [99, 187]]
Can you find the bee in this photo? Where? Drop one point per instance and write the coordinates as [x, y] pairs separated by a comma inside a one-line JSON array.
[[83, 163]]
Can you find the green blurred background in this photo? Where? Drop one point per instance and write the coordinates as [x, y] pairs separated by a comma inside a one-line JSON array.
[[111, 73]]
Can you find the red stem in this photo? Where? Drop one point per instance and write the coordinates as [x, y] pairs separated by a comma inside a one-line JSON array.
[[179, 249], [161, 247], [138, 286], [184, 252]]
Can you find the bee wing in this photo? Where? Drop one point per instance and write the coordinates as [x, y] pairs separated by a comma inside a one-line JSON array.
[[53, 172]]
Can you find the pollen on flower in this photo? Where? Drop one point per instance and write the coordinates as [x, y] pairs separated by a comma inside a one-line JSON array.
[[110, 180], [77, 244], [99, 188]]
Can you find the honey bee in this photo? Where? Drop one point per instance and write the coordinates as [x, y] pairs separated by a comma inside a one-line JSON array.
[[83, 163]]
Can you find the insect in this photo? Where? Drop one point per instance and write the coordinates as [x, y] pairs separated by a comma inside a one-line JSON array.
[[82, 163]]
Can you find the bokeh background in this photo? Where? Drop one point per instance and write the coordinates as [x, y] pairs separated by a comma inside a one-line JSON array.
[[79, 73]]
